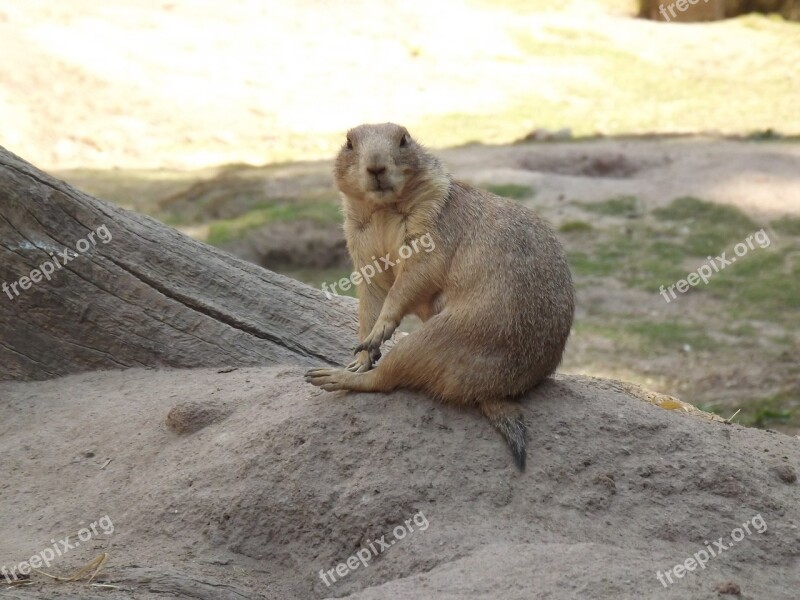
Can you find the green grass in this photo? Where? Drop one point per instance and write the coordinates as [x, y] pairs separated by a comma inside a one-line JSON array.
[[712, 228], [588, 265], [741, 330], [617, 206], [787, 225], [575, 227], [763, 284], [639, 258], [225, 230], [694, 210], [649, 338], [775, 409], [713, 409], [511, 190], [655, 337]]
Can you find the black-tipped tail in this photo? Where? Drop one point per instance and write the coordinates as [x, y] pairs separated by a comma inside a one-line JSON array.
[[507, 419]]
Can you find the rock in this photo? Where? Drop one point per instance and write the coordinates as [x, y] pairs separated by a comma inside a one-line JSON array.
[[189, 417], [545, 135], [786, 473]]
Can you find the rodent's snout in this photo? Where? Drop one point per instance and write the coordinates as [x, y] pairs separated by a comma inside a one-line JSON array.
[[378, 176]]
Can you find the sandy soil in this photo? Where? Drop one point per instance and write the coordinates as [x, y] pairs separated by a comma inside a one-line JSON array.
[[278, 480], [187, 84]]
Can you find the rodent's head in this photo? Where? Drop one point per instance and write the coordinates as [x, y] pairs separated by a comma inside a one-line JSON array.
[[384, 165]]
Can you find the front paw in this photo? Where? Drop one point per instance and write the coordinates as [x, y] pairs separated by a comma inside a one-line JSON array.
[[364, 361], [329, 380], [382, 331]]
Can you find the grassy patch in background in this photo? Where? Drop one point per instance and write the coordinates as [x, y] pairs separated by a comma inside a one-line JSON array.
[[638, 257], [574, 227], [619, 206], [710, 228], [763, 284], [650, 338], [225, 230], [586, 264], [511, 190], [787, 225], [775, 409], [688, 208], [655, 337]]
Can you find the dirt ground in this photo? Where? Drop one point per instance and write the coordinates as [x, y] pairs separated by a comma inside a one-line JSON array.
[[260, 481], [189, 84]]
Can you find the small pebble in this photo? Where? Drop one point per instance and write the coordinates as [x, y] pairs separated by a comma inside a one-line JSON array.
[[786, 473]]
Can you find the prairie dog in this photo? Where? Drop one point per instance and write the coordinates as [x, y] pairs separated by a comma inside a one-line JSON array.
[[495, 294]]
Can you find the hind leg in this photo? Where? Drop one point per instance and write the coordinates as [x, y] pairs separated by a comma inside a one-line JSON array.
[[332, 380], [430, 359], [383, 378]]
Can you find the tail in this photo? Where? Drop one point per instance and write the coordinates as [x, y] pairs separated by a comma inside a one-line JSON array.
[[507, 418]]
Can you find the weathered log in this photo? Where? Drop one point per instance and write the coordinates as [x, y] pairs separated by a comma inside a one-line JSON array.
[[86, 285]]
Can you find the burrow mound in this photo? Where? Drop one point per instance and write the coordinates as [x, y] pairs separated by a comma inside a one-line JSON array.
[[295, 481]]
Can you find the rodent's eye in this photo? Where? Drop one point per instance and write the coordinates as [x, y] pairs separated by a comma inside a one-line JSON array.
[[404, 140], [349, 144]]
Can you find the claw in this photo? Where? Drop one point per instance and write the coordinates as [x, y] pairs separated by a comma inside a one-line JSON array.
[[364, 362], [381, 332], [330, 380], [315, 372]]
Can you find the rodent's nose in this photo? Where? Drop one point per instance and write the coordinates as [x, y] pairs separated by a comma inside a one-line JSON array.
[[376, 170]]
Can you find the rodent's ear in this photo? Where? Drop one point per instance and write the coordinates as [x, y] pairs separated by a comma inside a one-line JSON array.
[[349, 143], [404, 139]]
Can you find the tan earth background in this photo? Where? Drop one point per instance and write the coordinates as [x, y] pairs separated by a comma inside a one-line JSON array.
[[650, 146]]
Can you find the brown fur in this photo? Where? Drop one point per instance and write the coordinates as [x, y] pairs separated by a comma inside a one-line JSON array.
[[495, 293]]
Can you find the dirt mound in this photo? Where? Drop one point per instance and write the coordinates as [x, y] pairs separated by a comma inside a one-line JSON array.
[[296, 481], [189, 417], [586, 164]]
